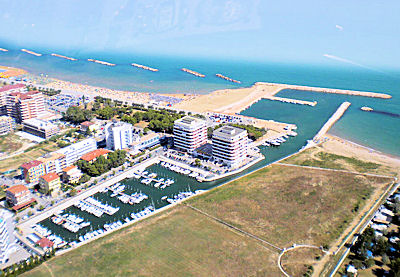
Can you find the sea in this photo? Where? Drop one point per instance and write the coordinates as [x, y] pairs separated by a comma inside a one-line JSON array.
[[379, 130]]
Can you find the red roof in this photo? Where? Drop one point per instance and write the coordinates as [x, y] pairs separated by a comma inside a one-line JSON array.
[[50, 177], [18, 207], [95, 154], [45, 243], [30, 164], [10, 87], [17, 189], [69, 168], [87, 123]]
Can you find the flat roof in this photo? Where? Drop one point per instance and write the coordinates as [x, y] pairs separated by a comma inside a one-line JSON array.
[[38, 123], [228, 131], [189, 120], [30, 164]]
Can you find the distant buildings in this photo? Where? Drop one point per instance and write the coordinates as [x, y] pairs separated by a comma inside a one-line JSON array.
[[4, 91], [25, 105], [7, 238], [119, 135], [71, 174], [93, 155], [189, 133], [50, 183], [40, 128], [19, 197], [142, 142], [88, 125], [53, 162], [7, 124], [32, 171], [229, 145], [75, 151]]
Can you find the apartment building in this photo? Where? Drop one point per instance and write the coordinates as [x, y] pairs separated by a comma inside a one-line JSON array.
[[189, 133]]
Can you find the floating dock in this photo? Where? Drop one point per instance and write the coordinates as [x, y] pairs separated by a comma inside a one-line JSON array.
[[291, 101], [3, 50], [335, 117], [101, 62], [197, 74], [64, 57], [144, 67], [227, 78], [31, 52]]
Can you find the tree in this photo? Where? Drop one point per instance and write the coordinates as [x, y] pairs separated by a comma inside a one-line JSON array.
[[197, 162], [106, 113]]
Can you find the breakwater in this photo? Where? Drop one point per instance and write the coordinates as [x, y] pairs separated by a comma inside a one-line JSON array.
[[4, 50], [63, 57], [197, 74], [31, 52], [144, 67], [335, 117], [291, 101], [227, 78], [101, 62], [331, 90]]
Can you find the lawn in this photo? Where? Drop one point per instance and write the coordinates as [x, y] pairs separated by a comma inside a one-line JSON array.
[[28, 155], [177, 242]]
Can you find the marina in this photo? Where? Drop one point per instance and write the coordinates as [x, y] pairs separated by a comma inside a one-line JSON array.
[[101, 62], [63, 57], [227, 78], [144, 67], [31, 52], [197, 74]]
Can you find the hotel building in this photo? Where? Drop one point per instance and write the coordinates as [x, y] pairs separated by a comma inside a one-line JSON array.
[[40, 128], [53, 162], [119, 135], [93, 155], [189, 133], [230, 145], [19, 197], [4, 91], [7, 238], [32, 171], [71, 174], [23, 106], [75, 151], [7, 124], [50, 183], [142, 142]]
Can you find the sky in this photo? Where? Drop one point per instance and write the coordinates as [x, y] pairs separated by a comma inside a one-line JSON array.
[[362, 33]]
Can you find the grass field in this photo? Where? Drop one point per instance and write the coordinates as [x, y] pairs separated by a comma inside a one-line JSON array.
[[178, 242], [283, 205], [10, 143], [28, 155]]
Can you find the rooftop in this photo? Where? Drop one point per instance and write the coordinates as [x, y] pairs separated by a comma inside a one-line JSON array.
[[45, 243], [228, 131], [51, 157], [87, 123], [10, 87], [17, 189], [50, 177], [30, 164], [189, 121], [94, 154], [38, 123], [68, 168]]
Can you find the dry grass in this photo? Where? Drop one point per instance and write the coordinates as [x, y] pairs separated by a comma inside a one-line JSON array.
[[178, 242]]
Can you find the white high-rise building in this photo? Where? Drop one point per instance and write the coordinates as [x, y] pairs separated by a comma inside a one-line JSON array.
[[75, 151], [230, 145], [119, 135], [189, 133], [7, 238]]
